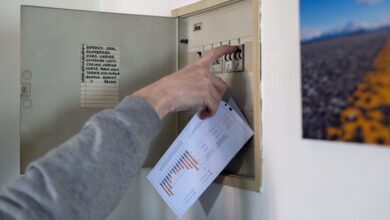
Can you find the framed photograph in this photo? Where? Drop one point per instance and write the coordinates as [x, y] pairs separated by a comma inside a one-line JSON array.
[[345, 70]]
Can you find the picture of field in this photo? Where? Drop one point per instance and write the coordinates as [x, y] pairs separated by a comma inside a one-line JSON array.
[[345, 70]]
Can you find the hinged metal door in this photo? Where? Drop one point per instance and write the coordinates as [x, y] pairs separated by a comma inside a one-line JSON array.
[[53, 54]]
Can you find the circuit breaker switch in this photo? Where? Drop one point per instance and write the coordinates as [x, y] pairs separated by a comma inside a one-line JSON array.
[[216, 67], [237, 54], [234, 62], [199, 54]]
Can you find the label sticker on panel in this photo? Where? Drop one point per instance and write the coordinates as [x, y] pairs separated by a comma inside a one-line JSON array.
[[99, 76]]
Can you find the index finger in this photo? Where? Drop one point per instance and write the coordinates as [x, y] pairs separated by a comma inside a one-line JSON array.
[[213, 54]]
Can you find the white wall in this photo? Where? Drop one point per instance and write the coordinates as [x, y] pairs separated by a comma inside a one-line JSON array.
[[302, 179]]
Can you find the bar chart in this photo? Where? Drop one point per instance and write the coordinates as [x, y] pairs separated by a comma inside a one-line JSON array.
[[183, 162]]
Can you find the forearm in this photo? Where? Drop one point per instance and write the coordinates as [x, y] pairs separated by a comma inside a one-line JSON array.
[[86, 177]]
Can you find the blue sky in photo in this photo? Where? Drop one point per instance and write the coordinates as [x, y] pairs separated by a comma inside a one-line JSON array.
[[319, 16]]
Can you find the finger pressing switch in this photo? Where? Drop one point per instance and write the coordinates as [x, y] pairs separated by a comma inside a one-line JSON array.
[[234, 62]]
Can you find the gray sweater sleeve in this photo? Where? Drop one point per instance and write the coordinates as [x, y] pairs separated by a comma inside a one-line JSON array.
[[85, 177]]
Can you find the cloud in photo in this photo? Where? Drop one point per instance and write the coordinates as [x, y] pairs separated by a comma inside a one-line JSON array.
[[362, 25], [309, 33], [369, 2]]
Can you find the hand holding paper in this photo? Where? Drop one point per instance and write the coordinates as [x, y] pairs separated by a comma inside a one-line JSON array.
[[198, 155]]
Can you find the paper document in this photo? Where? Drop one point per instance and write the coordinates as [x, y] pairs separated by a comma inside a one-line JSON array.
[[198, 155]]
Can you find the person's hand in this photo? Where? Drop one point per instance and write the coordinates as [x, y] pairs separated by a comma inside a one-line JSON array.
[[191, 86]]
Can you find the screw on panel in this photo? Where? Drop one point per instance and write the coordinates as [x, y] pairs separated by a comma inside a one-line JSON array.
[[27, 75], [27, 103]]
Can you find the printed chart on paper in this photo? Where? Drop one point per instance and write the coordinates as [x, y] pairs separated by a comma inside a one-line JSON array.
[[197, 156]]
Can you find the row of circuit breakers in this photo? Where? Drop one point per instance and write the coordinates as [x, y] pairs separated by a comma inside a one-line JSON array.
[[233, 62]]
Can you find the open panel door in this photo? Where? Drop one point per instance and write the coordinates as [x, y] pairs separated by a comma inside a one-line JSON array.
[[54, 43]]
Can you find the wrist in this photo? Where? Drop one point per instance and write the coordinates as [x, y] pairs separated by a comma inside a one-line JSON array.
[[159, 100]]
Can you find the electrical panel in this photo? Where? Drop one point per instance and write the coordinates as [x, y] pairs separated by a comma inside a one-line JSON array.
[[234, 23], [57, 98]]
